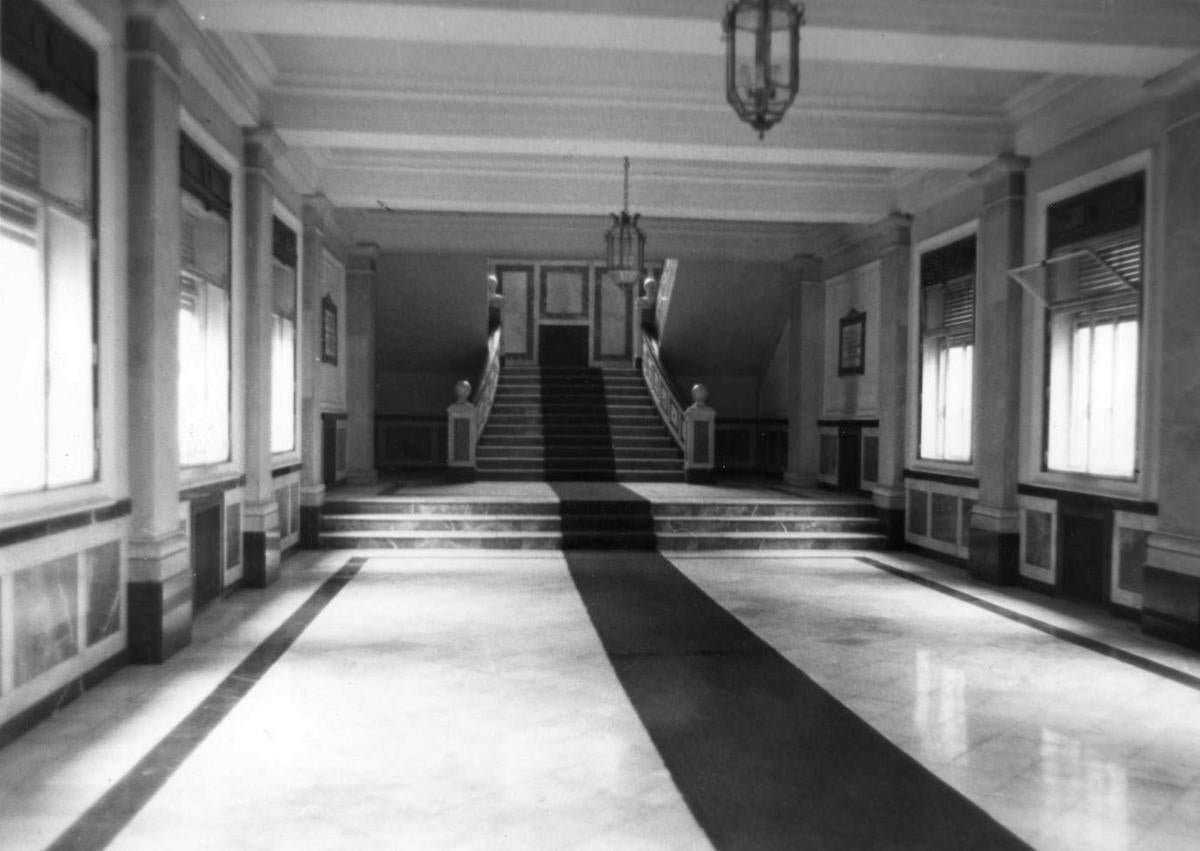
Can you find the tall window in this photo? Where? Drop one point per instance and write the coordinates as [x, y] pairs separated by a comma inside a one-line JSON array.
[[204, 310], [47, 309], [283, 340], [1094, 242], [947, 351]]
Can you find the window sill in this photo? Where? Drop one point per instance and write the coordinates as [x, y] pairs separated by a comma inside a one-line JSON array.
[[1104, 486], [19, 509]]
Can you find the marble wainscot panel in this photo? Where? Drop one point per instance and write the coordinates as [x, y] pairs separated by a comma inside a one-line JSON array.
[[46, 619], [105, 596]]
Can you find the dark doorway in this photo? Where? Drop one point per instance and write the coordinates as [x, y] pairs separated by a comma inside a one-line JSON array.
[[206, 552], [563, 345], [850, 458], [1084, 553]]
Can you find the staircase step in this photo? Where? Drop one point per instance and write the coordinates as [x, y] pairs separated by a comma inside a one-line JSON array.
[[790, 508]]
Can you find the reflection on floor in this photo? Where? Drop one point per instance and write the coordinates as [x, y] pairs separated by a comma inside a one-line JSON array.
[[466, 700]]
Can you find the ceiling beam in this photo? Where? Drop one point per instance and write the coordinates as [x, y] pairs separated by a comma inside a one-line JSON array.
[[820, 137], [1011, 43], [467, 190]]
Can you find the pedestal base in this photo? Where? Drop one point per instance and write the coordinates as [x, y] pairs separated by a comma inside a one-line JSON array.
[[994, 556], [160, 618], [1171, 605]]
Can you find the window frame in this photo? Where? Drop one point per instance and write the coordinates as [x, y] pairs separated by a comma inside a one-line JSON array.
[[48, 105], [1036, 322], [960, 469], [195, 475], [292, 221]]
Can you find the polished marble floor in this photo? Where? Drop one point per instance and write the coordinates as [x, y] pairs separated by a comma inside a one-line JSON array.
[[465, 700]]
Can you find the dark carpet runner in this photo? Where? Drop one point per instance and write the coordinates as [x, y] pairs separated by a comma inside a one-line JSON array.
[[763, 756]]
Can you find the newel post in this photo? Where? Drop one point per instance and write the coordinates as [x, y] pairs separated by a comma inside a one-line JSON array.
[[699, 429], [460, 433]]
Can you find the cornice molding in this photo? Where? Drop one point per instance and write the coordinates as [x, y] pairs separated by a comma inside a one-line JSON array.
[[1076, 108]]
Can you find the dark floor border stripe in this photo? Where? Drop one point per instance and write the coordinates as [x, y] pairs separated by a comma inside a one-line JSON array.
[[764, 758], [106, 818], [1061, 633]]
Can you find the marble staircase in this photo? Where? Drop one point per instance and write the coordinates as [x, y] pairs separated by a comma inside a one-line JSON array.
[[576, 424], [601, 521]]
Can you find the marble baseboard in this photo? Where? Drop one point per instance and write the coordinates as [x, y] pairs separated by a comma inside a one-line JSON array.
[[1171, 605], [260, 555], [994, 556], [160, 618]]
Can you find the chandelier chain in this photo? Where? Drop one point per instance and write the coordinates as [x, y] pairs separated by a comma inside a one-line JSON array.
[[625, 197]]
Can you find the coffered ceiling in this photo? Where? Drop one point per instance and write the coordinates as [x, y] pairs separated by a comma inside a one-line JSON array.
[[528, 106]]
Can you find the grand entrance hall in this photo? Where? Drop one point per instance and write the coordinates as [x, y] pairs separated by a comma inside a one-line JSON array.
[[580, 698], [553, 424]]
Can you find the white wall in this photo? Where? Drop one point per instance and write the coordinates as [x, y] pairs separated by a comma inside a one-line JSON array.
[[852, 396]]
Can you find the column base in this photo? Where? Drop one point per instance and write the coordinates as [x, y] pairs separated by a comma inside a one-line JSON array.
[[892, 520], [993, 557], [261, 557], [1171, 588], [362, 477], [160, 618], [1171, 605], [310, 527], [461, 474], [160, 595], [699, 476]]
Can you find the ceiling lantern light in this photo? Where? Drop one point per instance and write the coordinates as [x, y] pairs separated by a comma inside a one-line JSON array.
[[762, 59], [625, 243]]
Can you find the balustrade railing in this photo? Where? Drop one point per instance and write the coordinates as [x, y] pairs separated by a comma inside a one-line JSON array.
[[660, 389], [694, 427], [486, 394], [468, 415]]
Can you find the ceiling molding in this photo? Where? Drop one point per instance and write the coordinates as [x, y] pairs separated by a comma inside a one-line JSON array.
[[1011, 43], [254, 60], [1074, 108], [501, 235]]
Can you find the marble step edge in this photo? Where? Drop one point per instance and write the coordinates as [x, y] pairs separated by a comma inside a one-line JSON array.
[[405, 505], [403, 534], [510, 524], [600, 540]]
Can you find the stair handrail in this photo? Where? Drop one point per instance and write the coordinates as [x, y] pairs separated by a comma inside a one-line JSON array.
[[468, 415], [488, 381], [661, 390], [694, 427]]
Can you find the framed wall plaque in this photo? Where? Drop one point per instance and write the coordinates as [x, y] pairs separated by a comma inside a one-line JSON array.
[[329, 330], [852, 339]]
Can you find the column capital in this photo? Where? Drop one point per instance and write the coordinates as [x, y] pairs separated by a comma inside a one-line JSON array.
[[362, 258], [319, 214], [802, 269], [1002, 166], [1003, 178], [894, 230], [159, 29], [316, 211], [263, 146]]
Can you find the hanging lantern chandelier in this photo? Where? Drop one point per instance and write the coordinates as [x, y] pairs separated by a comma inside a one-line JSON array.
[[625, 243], [762, 59]]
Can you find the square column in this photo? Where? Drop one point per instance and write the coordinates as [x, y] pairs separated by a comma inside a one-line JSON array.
[[317, 216], [1171, 581], [160, 574], [360, 364], [995, 520], [806, 368], [895, 264], [260, 535]]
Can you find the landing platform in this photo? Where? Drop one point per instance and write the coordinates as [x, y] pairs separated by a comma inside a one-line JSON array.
[[436, 489], [572, 515]]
